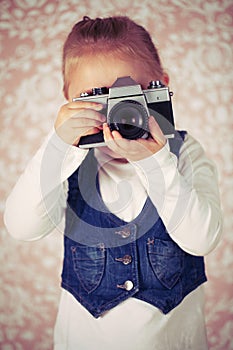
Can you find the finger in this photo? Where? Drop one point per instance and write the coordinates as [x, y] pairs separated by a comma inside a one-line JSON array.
[[109, 138], [86, 105], [89, 115], [107, 133], [129, 149], [83, 119], [116, 135], [82, 124], [120, 141], [156, 132]]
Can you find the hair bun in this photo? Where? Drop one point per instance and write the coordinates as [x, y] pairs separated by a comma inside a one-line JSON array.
[[86, 18]]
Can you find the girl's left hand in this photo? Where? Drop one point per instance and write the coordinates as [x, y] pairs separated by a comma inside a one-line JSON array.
[[134, 150]]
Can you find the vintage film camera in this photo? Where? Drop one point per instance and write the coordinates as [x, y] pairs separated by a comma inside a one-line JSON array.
[[128, 107]]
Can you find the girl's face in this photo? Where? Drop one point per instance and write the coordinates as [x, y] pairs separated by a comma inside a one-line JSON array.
[[103, 70]]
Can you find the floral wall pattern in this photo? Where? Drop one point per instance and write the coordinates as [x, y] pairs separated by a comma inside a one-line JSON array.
[[195, 42]]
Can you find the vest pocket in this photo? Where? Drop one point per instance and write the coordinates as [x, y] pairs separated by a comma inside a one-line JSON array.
[[166, 259], [89, 264]]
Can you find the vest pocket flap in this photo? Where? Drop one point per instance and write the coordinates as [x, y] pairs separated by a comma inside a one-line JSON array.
[[166, 259], [88, 264]]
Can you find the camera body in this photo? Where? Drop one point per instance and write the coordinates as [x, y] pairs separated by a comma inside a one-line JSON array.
[[127, 108]]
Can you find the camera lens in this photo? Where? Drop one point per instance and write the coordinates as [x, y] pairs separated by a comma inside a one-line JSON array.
[[130, 118]]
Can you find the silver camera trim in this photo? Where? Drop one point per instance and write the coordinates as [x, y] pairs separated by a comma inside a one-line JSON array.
[[125, 88]]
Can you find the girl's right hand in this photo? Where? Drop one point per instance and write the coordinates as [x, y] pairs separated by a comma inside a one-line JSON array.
[[77, 119]]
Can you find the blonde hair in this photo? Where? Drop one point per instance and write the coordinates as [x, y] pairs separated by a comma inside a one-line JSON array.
[[118, 35]]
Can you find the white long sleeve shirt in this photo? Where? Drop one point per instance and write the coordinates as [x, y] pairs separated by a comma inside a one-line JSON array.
[[185, 193]]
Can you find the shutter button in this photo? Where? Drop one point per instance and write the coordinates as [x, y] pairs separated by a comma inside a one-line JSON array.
[[128, 285]]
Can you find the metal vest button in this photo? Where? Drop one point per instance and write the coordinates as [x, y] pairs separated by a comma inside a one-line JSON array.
[[127, 259], [123, 233]]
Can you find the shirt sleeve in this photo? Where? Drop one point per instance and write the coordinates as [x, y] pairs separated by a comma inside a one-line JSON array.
[[37, 203], [185, 193]]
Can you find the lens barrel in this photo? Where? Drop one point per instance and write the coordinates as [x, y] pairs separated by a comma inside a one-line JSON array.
[[130, 118]]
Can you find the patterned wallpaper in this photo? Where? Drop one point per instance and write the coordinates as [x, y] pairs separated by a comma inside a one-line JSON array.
[[195, 42]]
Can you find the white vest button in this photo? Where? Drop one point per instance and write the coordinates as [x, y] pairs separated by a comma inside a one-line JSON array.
[[128, 285]]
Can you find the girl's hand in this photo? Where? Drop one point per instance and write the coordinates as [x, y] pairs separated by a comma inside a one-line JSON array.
[[134, 150], [77, 119]]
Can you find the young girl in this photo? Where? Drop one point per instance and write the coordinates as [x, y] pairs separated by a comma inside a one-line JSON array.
[[139, 215]]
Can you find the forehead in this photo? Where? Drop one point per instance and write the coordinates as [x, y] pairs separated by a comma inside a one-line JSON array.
[[102, 70]]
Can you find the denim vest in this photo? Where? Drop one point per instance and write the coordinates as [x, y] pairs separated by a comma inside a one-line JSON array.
[[108, 260]]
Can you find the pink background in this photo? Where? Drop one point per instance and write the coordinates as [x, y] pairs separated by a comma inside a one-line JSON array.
[[195, 43]]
